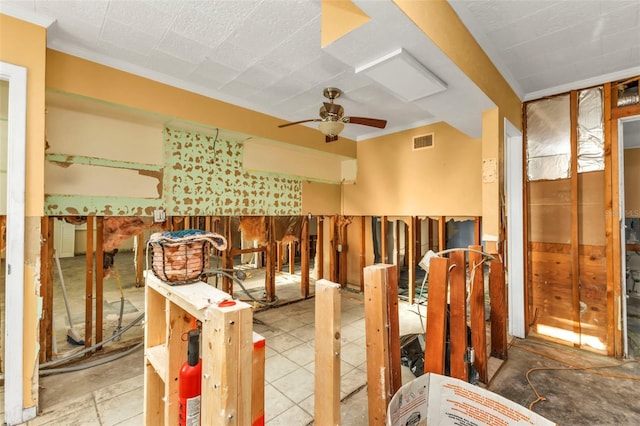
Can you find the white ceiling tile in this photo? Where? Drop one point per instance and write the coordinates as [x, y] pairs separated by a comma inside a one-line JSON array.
[[266, 54], [170, 65], [233, 56], [91, 11], [24, 4], [211, 22], [239, 89], [213, 74], [184, 48], [613, 41], [258, 76], [120, 34], [258, 37], [81, 33], [153, 18], [499, 14]]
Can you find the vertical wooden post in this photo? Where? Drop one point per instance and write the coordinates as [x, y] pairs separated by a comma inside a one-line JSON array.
[[227, 256], [292, 257], [257, 380], [270, 273], [279, 256], [304, 258], [458, 316], [382, 337], [430, 245], [46, 288], [477, 233], [417, 232], [333, 264], [320, 249], [99, 276], [363, 251], [227, 382], [498, 310], [383, 240], [442, 233], [477, 313], [575, 244], [139, 259], [612, 226], [397, 249], [327, 348], [435, 335], [342, 256], [88, 305], [411, 264]]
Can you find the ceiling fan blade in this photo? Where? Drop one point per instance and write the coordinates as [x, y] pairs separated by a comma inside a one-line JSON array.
[[299, 122], [373, 122], [332, 108], [331, 138]]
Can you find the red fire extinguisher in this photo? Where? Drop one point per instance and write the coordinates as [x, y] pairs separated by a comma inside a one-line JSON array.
[[190, 381]]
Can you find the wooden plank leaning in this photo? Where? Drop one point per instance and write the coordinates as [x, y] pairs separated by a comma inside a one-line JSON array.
[[327, 353], [382, 337], [435, 335]]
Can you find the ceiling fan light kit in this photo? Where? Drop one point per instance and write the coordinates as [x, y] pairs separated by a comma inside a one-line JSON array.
[[331, 128], [332, 118]]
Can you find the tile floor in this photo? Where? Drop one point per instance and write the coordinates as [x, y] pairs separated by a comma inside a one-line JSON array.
[[289, 373], [112, 394]]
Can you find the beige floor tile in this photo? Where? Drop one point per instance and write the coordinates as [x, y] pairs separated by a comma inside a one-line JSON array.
[[80, 412], [354, 353], [278, 366], [297, 385], [305, 333], [275, 403], [132, 421], [308, 404], [302, 354], [283, 341], [121, 407], [294, 416], [351, 332]]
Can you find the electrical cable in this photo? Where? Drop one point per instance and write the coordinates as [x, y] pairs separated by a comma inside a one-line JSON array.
[[91, 348], [592, 370], [225, 272], [102, 361]]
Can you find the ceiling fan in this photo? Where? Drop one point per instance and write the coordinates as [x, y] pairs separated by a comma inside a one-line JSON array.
[[332, 118]]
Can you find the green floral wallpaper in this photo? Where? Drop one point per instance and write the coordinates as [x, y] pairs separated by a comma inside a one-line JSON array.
[[203, 176]]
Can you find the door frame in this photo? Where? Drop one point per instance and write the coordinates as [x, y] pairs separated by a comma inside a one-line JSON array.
[[14, 410], [514, 190], [621, 219]]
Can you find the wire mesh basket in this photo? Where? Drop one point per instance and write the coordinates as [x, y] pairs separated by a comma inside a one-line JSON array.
[[182, 257]]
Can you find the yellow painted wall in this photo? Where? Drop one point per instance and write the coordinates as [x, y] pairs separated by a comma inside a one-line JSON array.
[[76, 133], [492, 176], [29, 52], [77, 76], [395, 180], [320, 198]]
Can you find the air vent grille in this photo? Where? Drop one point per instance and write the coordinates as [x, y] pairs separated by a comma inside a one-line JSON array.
[[423, 141]]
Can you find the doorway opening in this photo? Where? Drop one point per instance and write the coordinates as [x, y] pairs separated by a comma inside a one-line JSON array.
[[629, 131]]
